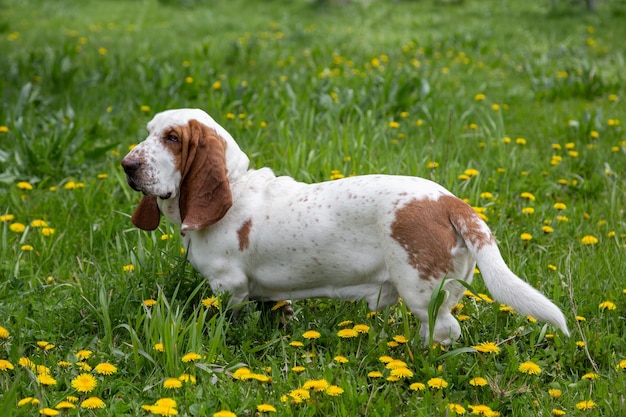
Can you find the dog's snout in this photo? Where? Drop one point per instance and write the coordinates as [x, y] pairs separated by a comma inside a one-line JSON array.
[[130, 165]]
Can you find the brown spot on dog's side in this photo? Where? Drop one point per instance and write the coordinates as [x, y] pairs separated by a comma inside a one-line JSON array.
[[423, 229], [244, 235], [467, 222]]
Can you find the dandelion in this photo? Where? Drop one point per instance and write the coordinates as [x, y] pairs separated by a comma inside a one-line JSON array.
[[395, 364], [27, 400], [557, 412], [191, 357], [528, 210], [149, 302], [547, 229], [211, 302], [585, 405], [361, 328], [555, 393], [105, 368], [347, 333], [64, 405], [520, 141], [530, 368], [528, 196], [187, 378], [334, 391], [377, 374], [26, 363], [590, 376], [437, 383], [73, 185], [417, 386], [487, 347], [4, 333], [340, 359], [482, 409], [17, 227], [478, 382], [296, 343], [158, 347], [456, 408], [298, 369], [23, 185], [172, 383], [526, 237], [49, 412], [46, 379], [316, 384], [5, 365], [83, 354], [265, 408], [242, 373], [622, 364], [92, 403], [402, 373], [479, 97], [47, 231], [400, 339], [144, 108], [84, 383], [580, 344], [4, 129], [217, 85], [128, 268], [589, 240], [311, 334], [299, 395], [607, 305], [559, 206]]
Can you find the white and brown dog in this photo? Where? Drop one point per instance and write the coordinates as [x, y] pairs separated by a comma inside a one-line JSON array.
[[372, 237]]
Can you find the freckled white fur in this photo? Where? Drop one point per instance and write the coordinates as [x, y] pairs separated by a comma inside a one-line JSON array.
[[331, 239]]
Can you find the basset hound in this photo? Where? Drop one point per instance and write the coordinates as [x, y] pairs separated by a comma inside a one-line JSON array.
[[374, 237]]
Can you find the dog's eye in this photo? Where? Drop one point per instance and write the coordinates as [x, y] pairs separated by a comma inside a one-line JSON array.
[[171, 138]]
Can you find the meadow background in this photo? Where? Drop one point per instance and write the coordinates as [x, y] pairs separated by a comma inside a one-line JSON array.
[[516, 106]]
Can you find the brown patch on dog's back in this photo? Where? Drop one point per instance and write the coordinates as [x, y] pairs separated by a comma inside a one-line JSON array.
[[467, 222], [244, 235], [423, 229]]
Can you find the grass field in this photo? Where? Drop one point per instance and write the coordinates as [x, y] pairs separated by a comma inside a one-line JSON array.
[[515, 106]]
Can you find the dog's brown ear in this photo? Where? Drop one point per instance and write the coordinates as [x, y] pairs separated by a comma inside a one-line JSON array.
[[147, 214], [205, 195]]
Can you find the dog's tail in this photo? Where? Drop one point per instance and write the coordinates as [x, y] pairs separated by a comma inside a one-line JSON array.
[[504, 285]]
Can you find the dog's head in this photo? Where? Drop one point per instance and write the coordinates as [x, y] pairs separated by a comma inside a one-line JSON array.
[[189, 158]]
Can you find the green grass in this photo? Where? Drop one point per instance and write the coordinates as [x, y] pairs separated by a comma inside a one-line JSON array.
[[528, 95]]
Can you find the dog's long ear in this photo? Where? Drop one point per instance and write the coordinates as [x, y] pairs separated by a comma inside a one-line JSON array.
[[205, 195], [147, 214]]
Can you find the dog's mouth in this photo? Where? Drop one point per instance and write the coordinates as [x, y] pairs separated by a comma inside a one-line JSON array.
[[137, 187]]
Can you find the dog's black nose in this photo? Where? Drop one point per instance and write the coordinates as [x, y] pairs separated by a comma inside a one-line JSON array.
[[130, 165]]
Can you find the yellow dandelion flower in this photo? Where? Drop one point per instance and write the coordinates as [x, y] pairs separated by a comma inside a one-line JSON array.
[[520, 141], [479, 97], [385, 359], [528, 210], [345, 323], [105, 368], [585, 405], [478, 382], [84, 383], [417, 386], [526, 237], [547, 229], [401, 373], [187, 378], [296, 343], [47, 231], [17, 227], [487, 347], [191, 357], [347, 333], [400, 339], [555, 393], [26, 363], [559, 206], [557, 412], [530, 368], [38, 223], [46, 379], [621, 364], [375, 374], [92, 403], [4, 129], [298, 369], [5, 365], [84, 354], [361, 328], [580, 344], [299, 395], [158, 347], [316, 384], [482, 409], [607, 305], [437, 383], [395, 364], [149, 302], [217, 85], [340, 359], [172, 383], [49, 412], [4, 333], [528, 196], [128, 268], [64, 405], [265, 408], [589, 240], [242, 373], [311, 334], [456, 408], [211, 302], [64, 364], [590, 376], [144, 108], [334, 391], [23, 185]]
